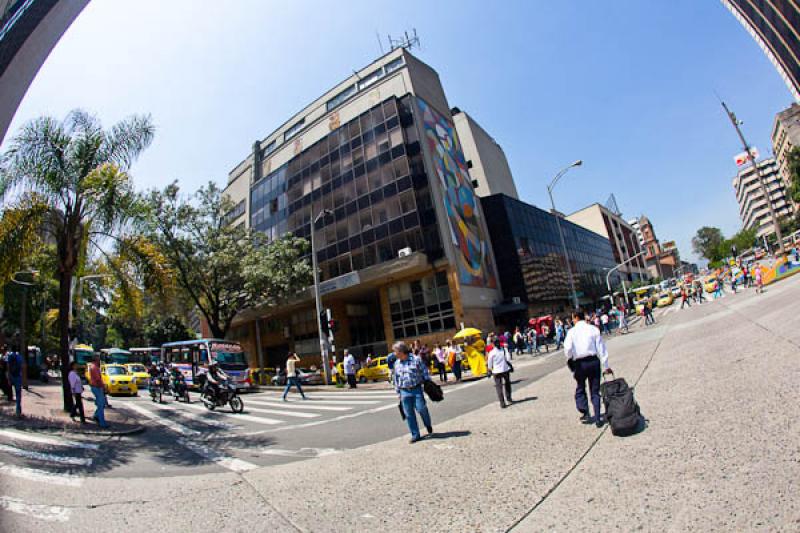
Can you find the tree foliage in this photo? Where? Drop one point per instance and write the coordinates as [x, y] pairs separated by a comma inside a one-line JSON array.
[[222, 268], [707, 241], [712, 244]]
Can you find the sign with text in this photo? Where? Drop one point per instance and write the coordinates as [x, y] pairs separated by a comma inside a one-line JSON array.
[[743, 158]]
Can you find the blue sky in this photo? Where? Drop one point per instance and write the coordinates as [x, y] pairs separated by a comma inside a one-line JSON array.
[[627, 86]]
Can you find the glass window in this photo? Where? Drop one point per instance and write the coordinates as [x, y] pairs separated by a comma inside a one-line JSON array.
[[396, 137], [391, 66], [268, 149], [340, 98], [422, 306], [292, 131], [370, 78]]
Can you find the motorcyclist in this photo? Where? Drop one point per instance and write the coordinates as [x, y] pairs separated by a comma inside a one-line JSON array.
[[154, 373], [216, 378], [177, 380]]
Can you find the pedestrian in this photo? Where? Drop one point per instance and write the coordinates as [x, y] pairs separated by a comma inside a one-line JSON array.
[[759, 280], [440, 360], [291, 375], [519, 341], [685, 298], [604, 322], [500, 370], [648, 312], [350, 369], [587, 357], [5, 384], [76, 387], [14, 371], [425, 354], [96, 385], [455, 356], [717, 288], [623, 320], [546, 336], [409, 375], [559, 333], [533, 345]]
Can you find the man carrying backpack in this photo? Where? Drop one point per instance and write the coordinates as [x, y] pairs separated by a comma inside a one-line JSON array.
[[14, 362], [587, 358]]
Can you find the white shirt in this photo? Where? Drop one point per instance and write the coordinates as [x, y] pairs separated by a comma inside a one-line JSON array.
[[604, 318], [584, 340], [497, 361], [350, 364]]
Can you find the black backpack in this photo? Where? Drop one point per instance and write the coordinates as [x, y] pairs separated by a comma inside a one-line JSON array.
[[622, 411]]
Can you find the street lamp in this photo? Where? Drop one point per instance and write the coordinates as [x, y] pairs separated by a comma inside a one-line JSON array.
[[610, 270], [550, 187], [323, 341]]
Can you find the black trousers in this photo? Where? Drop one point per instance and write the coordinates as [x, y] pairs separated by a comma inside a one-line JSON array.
[[351, 380], [587, 369], [77, 406], [502, 381]]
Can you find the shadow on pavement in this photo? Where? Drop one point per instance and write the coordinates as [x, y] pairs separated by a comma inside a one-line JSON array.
[[450, 434], [528, 399]]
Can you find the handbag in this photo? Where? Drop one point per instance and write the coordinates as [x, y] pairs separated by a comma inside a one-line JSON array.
[[433, 391]]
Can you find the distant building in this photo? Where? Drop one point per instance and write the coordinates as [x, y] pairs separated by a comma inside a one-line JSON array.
[[785, 136], [530, 260], [662, 261], [485, 158], [622, 236], [634, 222], [775, 25], [404, 252], [753, 207], [29, 30]]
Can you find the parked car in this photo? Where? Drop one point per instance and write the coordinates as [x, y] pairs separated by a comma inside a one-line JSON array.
[[117, 380], [139, 373]]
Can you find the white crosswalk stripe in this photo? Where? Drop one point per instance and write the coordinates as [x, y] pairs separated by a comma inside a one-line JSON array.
[[249, 418], [299, 404], [41, 476], [51, 441], [193, 416], [48, 513], [46, 457]]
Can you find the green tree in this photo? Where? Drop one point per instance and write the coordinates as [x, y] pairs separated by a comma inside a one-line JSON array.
[[706, 243], [159, 330], [222, 268], [68, 181]]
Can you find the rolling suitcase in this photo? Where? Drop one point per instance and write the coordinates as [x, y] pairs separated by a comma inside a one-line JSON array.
[[622, 411]]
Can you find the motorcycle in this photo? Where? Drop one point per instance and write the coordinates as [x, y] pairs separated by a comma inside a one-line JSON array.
[[178, 388], [227, 395]]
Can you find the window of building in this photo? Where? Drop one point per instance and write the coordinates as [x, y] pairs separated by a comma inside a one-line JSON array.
[[269, 148], [421, 307], [340, 98], [391, 66], [370, 78], [292, 131]]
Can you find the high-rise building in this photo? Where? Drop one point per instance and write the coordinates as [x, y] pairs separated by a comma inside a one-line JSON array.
[[530, 260], [785, 136], [753, 208], [485, 158], [634, 222], [403, 250], [775, 25], [28, 32], [624, 240]]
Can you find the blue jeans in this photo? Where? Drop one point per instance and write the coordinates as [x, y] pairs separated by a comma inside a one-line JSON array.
[[99, 406], [17, 384], [414, 400], [293, 381]]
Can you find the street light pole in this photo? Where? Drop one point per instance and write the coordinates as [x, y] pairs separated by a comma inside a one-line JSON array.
[[323, 341], [767, 198], [608, 277], [550, 187], [23, 340]]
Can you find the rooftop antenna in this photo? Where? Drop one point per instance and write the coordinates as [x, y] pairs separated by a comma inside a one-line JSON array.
[[612, 206], [406, 41], [380, 44]]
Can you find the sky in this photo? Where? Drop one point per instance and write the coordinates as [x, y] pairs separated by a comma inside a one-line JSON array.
[[629, 86]]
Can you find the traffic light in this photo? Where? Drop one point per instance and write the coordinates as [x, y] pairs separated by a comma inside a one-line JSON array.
[[325, 322], [333, 325]]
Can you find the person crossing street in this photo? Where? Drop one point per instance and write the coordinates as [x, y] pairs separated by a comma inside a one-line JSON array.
[[587, 358], [409, 375]]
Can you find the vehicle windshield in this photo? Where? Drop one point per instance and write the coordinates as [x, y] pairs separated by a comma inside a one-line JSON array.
[[115, 371], [137, 368], [83, 357], [119, 358], [228, 354]]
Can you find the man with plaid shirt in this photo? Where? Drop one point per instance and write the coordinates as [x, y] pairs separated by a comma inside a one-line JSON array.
[[409, 375]]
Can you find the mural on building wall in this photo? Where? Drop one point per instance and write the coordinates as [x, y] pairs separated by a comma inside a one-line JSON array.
[[461, 203]]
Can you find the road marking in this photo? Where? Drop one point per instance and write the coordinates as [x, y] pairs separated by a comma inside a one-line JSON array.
[[302, 452], [48, 513], [168, 423], [231, 463], [39, 439], [357, 401], [281, 413], [48, 457], [41, 476], [195, 416], [256, 419], [297, 405]]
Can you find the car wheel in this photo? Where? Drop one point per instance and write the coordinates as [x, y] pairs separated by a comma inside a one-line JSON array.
[[362, 379]]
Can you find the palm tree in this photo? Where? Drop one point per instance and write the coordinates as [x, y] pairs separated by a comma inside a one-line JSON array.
[[68, 183]]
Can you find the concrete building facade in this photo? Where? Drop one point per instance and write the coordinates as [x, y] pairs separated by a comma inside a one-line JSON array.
[[661, 262], [404, 252], [785, 136], [485, 158], [622, 236], [753, 207], [29, 30]]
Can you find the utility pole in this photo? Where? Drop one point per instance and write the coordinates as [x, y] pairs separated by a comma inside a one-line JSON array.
[[550, 187], [750, 153]]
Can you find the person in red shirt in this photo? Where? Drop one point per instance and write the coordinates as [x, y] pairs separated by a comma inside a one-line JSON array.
[[96, 384]]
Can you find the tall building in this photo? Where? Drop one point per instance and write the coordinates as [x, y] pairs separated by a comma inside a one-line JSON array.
[[785, 136], [775, 25], [530, 260], [29, 29], [661, 261], [623, 238], [634, 222], [753, 208], [485, 158], [404, 252]]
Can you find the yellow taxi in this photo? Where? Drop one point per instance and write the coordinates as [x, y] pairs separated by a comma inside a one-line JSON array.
[[710, 284], [376, 370], [117, 380], [665, 299], [140, 374]]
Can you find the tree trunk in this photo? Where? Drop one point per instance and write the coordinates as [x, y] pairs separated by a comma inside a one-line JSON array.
[[65, 281]]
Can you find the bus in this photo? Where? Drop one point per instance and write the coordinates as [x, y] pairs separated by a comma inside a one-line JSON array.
[[116, 356], [82, 354], [193, 357], [146, 355]]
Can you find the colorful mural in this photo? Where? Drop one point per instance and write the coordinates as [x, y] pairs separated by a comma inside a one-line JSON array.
[[462, 205]]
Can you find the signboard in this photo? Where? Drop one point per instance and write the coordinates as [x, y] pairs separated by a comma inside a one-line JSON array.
[[743, 158], [341, 282], [668, 246]]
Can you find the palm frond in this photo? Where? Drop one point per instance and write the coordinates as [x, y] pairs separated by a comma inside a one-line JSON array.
[[20, 233]]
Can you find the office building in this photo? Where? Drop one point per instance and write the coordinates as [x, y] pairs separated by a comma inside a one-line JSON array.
[[634, 223], [29, 30], [775, 25], [753, 207], [785, 136], [404, 252], [531, 265], [485, 158], [661, 261], [622, 236]]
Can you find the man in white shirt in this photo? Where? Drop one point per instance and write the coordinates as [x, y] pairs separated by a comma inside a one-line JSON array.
[[587, 357], [350, 369]]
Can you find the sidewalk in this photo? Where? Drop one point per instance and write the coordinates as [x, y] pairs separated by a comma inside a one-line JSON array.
[[718, 388], [42, 410]]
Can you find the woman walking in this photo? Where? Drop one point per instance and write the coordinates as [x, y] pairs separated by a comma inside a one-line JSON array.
[[454, 357], [440, 358], [500, 369]]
